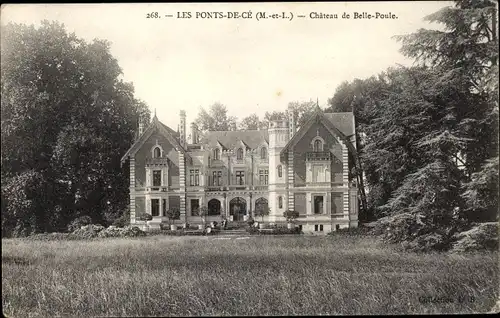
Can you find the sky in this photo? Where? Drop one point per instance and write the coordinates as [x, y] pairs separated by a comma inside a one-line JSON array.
[[250, 65]]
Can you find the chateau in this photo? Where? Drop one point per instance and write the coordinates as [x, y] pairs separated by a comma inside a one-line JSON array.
[[234, 172]]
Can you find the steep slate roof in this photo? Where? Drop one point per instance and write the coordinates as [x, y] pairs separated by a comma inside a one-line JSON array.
[[342, 121], [169, 133], [333, 122], [170, 130], [231, 139]]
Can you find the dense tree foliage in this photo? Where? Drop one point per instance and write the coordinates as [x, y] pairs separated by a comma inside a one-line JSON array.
[[428, 135], [66, 120], [215, 119], [251, 122], [302, 112]]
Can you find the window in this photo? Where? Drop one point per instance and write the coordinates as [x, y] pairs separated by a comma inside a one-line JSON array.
[[318, 204], [263, 176], [280, 202], [239, 154], [164, 202], [156, 178], [217, 154], [321, 227], [315, 227], [318, 145], [318, 173], [240, 177], [155, 207], [194, 177], [337, 227], [263, 153], [195, 207], [280, 171], [157, 152], [217, 178]]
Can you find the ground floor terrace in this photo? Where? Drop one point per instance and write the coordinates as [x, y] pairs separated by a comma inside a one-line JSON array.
[[319, 211]]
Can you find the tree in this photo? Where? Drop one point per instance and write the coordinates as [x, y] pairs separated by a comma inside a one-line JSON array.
[[66, 120], [145, 217], [359, 97], [270, 116], [302, 111], [262, 210], [251, 122], [173, 214], [216, 119], [465, 52], [481, 193]]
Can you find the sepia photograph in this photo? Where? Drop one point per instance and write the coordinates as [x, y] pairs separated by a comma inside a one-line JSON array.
[[250, 159]]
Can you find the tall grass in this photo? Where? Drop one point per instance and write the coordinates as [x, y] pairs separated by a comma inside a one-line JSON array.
[[193, 276]]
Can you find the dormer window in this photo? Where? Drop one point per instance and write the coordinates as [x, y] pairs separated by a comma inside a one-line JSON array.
[[263, 153], [157, 152], [216, 154], [318, 145], [239, 154]]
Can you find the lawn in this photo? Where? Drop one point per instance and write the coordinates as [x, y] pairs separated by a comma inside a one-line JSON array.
[[193, 276]]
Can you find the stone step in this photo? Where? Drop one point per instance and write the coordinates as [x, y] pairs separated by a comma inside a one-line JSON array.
[[233, 232]]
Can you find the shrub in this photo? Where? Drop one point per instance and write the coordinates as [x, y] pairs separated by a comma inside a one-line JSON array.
[[79, 222], [290, 215], [144, 217], [122, 221], [482, 236], [252, 230], [417, 232], [173, 214], [88, 231], [128, 231]]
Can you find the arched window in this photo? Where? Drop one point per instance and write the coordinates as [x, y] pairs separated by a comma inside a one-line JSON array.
[[280, 202], [263, 153], [318, 145], [280, 171], [157, 152], [239, 154], [216, 154]]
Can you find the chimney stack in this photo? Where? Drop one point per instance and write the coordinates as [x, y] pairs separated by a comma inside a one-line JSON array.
[[182, 128], [233, 126], [291, 122], [141, 127], [194, 133]]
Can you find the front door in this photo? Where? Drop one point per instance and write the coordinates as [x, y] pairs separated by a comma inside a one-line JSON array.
[[237, 208]]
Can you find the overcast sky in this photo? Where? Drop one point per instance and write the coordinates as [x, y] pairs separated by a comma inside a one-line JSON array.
[[248, 65]]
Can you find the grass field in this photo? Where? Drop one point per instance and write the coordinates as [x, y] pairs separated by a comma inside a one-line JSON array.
[[192, 276]]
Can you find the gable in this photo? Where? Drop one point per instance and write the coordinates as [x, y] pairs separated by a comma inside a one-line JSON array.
[[317, 131], [326, 121], [155, 127]]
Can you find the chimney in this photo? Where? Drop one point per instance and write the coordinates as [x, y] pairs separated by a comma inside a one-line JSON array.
[[291, 122], [233, 126], [141, 127], [194, 133], [182, 128]]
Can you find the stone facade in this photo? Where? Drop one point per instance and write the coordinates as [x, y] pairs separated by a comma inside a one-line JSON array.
[[234, 172]]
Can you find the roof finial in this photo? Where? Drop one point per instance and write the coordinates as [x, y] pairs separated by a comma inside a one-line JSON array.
[[155, 112]]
